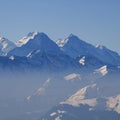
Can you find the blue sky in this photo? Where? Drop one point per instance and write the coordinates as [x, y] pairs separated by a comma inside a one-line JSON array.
[[95, 21]]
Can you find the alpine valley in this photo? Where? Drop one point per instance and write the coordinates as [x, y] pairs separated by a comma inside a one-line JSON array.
[[69, 79]]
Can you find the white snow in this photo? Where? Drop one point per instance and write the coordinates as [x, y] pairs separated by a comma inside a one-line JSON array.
[[25, 39], [79, 98], [35, 42], [99, 46], [11, 58], [103, 70], [30, 54], [97, 96], [58, 113], [72, 76], [61, 111], [60, 42], [113, 103], [53, 114], [82, 60], [5, 46], [57, 118]]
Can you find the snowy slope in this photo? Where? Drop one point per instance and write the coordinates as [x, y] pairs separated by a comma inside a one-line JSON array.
[[5, 46], [35, 41], [100, 100], [25, 39], [42, 52], [51, 92], [72, 46], [75, 47], [104, 89]]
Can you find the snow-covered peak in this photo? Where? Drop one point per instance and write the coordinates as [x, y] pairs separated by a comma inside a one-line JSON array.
[[5, 46], [29, 36], [71, 39], [2, 40], [32, 34], [103, 93], [33, 42], [74, 46]]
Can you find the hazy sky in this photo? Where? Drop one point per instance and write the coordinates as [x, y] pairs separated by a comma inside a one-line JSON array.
[[95, 21]]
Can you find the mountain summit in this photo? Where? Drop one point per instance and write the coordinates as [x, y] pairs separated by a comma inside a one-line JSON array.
[[75, 47], [35, 41], [25, 39], [5, 46]]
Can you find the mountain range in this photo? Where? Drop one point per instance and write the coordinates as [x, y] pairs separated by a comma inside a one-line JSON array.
[[58, 80], [36, 46]]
